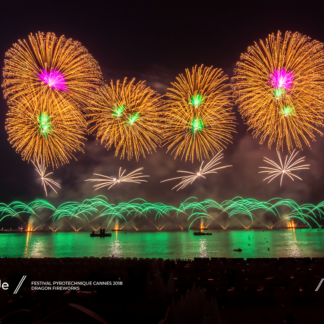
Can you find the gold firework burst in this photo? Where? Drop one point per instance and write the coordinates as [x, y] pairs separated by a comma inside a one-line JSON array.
[[199, 120], [128, 116], [279, 88], [39, 130], [51, 66]]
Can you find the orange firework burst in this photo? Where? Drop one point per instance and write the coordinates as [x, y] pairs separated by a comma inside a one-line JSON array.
[[51, 66], [279, 88], [128, 116], [39, 130], [198, 114]]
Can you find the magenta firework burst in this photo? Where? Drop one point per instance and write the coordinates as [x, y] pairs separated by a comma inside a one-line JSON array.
[[55, 79], [281, 79]]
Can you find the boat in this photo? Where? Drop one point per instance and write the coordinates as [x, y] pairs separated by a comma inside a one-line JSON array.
[[101, 234], [237, 250], [202, 233]]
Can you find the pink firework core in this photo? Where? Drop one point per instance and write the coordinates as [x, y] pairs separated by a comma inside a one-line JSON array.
[[54, 79], [281, 79]]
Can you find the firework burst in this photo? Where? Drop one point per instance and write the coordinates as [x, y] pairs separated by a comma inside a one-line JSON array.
[[51, 66], [133, 177], [46, 181], [279, 87], [199, 121], [285, 168], [127, 116], [39, 130], [202, 172]]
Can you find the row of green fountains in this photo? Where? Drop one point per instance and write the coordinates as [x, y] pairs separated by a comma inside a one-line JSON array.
[[99, 207]]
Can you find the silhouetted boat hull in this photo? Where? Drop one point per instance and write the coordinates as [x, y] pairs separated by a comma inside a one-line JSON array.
[[101, 234], [202, 233]]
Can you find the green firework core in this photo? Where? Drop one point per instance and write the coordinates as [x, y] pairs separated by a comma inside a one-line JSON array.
[[44, 124], [197, 125], [278, 93], [287, 111], [118, 111], [196, 100], [132, 119]]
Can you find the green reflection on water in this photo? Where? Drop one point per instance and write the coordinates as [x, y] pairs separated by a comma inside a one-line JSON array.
[[184, 245]]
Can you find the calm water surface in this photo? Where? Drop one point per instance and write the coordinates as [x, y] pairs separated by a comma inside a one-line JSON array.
[[184, 245]]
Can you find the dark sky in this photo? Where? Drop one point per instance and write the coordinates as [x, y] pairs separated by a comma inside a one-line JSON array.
[[155, 41]]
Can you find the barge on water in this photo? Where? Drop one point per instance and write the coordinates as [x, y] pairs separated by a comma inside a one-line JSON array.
[[101, 234]]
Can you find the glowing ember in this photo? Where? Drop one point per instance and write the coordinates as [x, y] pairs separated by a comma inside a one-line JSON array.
[[54, 79], [281, 79]]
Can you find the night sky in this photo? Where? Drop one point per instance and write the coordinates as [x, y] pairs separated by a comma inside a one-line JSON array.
[[155, 41]]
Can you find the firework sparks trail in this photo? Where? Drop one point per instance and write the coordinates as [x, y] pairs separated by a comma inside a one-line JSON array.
[[133, 177], [284, 168], [207, 169], [46, 181]]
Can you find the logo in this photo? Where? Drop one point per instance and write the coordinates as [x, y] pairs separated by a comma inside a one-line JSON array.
[[4, 285], [319, 285], [19, 285]]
